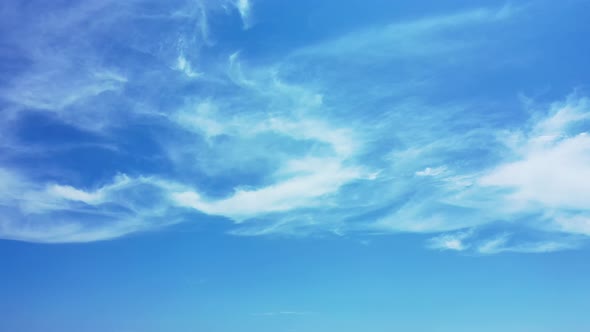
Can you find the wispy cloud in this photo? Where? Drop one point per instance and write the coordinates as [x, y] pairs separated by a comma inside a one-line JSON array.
[[62, 213], [429, 171], [501, 244], [489, 244], [296, 192], [184, 65], [320, 139], [245, 9], [452, 241], [419, 37]]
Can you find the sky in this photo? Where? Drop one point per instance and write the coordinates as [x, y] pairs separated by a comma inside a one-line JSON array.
[[286, 166]]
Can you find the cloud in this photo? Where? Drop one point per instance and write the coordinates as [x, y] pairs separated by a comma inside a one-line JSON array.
[[489, 244], [501, 244], [47, 91], [184, 65], [553, 163], [452, 241], [73, 194], [244, 7], [550, 168], [428, 171], [57, 77], [555, 176], [577, 222], [345, 136], [305, 190], [416, 38], [62, 213], [535, 177]]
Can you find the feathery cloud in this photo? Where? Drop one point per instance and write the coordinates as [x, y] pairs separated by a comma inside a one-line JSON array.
[[282, 146]]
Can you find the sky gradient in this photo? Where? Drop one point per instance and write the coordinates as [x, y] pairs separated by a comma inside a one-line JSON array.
[[258, 165]]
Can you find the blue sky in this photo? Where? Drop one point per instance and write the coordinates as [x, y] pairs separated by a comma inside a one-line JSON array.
[[257, 165]]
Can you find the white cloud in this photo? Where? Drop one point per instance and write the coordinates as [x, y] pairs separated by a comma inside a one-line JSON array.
[[495, 245], [60, 197], [500, 244], [412, 38], [203, 118], [291, 153], [452, 241], [48, 90], [562, 115], [184, 65], [244, 7], [235, 72], [342, 140], [428, 171], [552, 169], [557, 176], [60, 73], [539, 183], [48, 230], [578, 223], [300, 180], [296, 192], [73, 194], [57, 213]]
